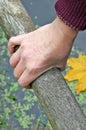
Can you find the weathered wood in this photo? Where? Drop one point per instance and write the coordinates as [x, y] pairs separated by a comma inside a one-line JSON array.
[[51, 89], [14, 19]]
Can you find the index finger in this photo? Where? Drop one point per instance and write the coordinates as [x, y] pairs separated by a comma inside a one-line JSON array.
[[14, 41]]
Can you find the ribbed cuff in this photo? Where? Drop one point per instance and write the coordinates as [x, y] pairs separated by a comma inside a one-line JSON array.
[[72, 12]]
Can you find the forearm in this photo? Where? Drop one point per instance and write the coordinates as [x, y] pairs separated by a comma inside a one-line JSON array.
[[72, 12]]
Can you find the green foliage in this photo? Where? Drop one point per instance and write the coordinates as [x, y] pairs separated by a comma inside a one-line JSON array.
[[17, 105]]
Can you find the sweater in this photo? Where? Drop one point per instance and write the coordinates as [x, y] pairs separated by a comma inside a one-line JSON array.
[[72, 12]]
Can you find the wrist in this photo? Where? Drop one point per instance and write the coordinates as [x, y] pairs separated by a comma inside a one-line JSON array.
[[64, 29]]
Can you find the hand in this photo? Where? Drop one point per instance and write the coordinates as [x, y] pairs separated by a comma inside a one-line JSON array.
[[45, 48]]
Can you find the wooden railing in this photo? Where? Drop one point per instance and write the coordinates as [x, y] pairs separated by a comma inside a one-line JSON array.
[[54, 95]]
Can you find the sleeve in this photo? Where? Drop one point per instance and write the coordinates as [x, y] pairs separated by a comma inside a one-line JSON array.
[[72, 13]]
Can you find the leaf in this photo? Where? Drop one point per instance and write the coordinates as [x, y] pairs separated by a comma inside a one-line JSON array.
[[77, 72]]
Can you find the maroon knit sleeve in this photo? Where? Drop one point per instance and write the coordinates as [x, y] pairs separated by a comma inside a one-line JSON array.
[[72, 12]]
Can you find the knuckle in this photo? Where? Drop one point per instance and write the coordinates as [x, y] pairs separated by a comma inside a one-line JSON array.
[[36, 67], [22, 46], [24, 56], [30, 69], [11, 39], [34, 70]]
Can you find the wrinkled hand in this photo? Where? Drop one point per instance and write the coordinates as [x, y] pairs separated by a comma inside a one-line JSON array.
[[40, 50]]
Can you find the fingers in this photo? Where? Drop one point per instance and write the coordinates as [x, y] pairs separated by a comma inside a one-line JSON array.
[[28, 76], [15, 41], [15, 58], [19, 69], [25, 79]]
